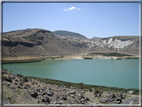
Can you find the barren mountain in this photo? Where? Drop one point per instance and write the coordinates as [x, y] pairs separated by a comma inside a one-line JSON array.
[[40, 42]]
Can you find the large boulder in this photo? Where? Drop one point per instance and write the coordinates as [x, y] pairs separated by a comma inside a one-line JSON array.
[[72, 92], [103, 100], [7, 78], [12, 86], [131, 92], [123, 96], [49, 93], [119, 99], [34, 94]]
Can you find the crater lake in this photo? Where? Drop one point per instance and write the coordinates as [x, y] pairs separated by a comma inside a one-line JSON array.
[[104, 72]]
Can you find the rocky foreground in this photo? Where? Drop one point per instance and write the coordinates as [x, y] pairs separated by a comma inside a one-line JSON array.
[[18, 89]]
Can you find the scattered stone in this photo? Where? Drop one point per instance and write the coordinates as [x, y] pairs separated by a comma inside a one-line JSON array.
[[72, 92], [49, 93], [103, 100], [131, 92], [38, 90], [119, 99], [33, 94], [123, 96], [82, 101], [7, 78], [12, 86]]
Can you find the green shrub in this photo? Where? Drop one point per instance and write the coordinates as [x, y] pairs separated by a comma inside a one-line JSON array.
[[25, 79], [19, 75], [113, 95], [97, 91]]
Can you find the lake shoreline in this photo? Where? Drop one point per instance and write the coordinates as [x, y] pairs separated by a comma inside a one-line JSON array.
[[26, 59], [59, 92]]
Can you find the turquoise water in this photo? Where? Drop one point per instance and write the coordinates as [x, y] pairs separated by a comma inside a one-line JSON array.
[[114, 73]]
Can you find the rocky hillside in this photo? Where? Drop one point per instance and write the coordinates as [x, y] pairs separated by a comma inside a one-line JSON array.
[[40, 42], [18, 89]]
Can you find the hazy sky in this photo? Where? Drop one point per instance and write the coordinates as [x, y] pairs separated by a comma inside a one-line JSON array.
[[89, 19]]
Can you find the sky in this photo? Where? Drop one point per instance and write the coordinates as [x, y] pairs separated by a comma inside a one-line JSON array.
[[88, 19]]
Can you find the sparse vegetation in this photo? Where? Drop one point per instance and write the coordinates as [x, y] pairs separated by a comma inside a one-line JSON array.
[[111, 54], [85, 86], [25, 79]]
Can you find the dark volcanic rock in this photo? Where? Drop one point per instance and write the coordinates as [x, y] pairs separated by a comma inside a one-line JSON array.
[[7, 78], [33, 94], [50, 93]]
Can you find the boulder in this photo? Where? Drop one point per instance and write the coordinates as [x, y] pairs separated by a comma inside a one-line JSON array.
[[82, 101], [7, 78], [12, 76], [72, 92], [103, 100], [12, 86], [33, 94], [119, 94], [21, 83], [131, 92], [64, 97], [123, 96], [20, 87], [49, 93], [38, 90], [45, 99], [87, 99], [119, 99]]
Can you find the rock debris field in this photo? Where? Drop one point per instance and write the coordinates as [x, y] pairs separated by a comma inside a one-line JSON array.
[[19, 89]]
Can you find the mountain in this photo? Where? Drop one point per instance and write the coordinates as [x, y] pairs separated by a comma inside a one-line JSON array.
[[68, 33], [95, 37], [41, 42]]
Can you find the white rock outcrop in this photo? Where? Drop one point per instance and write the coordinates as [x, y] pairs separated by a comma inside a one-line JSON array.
[[116, 43]]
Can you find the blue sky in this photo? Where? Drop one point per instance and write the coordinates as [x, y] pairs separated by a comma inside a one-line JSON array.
[[89, 19]]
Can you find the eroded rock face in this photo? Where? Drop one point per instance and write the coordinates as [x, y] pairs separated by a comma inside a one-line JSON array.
[[116, 43]]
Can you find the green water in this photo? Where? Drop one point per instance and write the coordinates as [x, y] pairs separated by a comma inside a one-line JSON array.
[[114, 73]]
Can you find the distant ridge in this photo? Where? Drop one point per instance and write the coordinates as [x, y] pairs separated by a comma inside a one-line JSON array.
[[95, 37], [68, 33]]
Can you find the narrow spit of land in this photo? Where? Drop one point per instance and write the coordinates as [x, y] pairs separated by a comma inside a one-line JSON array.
[[19, 89]]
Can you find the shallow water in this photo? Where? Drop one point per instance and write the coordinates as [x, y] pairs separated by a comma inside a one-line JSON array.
[[114, 73]]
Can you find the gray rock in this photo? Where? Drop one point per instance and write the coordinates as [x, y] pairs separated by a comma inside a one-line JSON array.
[[20, 87], [7, 78], [72, 92], [108, 96], [119, 99], [25, 87], [12, 86], [28, 85], [64, 97], [33, 94], [38, 89], [21, 83], [119, 94], [123, 96], [49, 93], [16, 80], [103, 100], [82, 101], [87, 99], [131, 92], [12, 76], [98, 95]]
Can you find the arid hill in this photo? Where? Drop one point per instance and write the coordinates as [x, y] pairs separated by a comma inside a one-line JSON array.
[[40, 42]]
